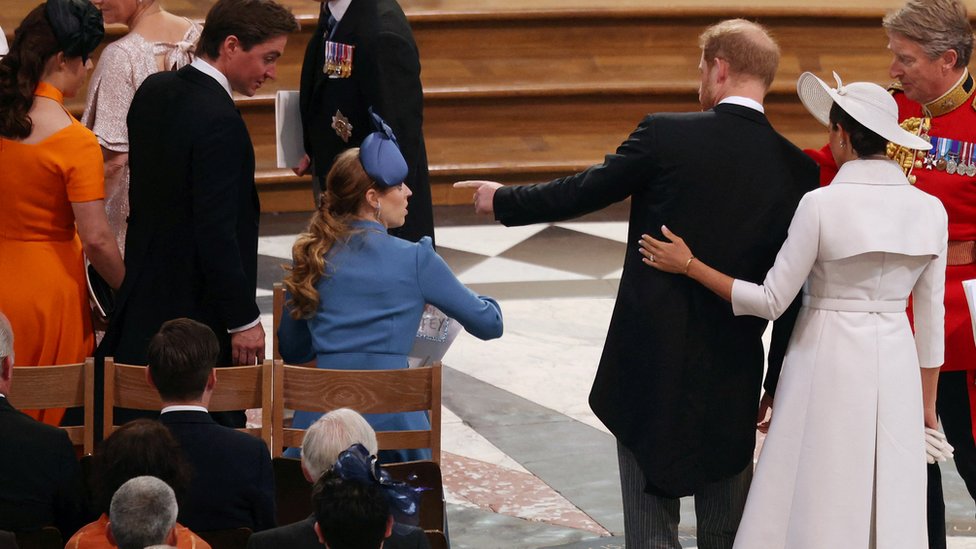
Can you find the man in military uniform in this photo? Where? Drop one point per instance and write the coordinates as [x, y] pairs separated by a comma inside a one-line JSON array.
[[931, 42], [363, 56]]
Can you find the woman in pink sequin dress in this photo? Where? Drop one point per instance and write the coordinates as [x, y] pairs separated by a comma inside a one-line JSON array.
[[156, 41]]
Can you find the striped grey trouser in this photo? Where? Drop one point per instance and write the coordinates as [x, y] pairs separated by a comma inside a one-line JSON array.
[[651, 522]]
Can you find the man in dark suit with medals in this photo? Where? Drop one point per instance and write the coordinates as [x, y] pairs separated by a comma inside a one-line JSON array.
[[363, 56], [931, 42], [679, 380], [191, 246]]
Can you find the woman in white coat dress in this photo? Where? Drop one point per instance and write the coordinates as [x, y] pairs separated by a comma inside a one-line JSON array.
[[844, 462]]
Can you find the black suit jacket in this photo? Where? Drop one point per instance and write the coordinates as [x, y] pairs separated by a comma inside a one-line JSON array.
[[385, 76], [678, 383], [191, 245], [301, 535], [40, 480], [232, 484]]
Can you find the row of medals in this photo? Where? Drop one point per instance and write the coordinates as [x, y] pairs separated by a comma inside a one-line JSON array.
[[941, 156]]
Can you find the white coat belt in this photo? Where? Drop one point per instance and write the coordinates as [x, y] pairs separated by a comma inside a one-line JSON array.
[[855, 305]]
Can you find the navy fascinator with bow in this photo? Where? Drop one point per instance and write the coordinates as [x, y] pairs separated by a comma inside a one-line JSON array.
[[357, 465], [380, 155], [77, 25]]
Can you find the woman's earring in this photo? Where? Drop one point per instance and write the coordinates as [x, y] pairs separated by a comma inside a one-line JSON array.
[[377, 210]]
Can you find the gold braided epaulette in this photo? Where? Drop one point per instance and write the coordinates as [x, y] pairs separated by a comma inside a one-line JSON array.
[[909, 159]]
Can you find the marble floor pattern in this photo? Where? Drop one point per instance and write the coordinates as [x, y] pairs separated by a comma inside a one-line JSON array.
[[526, 464]]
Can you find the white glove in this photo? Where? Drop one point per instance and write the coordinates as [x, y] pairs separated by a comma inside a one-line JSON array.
[[937, 448]]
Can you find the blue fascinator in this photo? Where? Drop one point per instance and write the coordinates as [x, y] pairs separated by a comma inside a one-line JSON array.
[[380, 155], [77, 25], [357, 465]]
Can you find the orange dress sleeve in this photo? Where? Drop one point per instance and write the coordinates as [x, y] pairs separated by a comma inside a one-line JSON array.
[[83, 167]]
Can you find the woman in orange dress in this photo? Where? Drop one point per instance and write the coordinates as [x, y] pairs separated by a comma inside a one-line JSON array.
[[51, 190]]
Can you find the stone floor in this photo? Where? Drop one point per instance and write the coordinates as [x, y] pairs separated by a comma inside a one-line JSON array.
[[526, 463]]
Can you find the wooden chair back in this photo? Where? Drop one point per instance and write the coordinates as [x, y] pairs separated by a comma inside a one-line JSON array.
[[238, 388], [293, 492], [63, 386], [365, 391], [278, 304], [427, 476]]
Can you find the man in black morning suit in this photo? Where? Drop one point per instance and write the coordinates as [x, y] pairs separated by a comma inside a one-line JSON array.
[[679, 380], [382, 72], [191, 246], [231, 484], [40, 480]]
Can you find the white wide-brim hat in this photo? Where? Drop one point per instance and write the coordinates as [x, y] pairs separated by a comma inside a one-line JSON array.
[[868, 103]]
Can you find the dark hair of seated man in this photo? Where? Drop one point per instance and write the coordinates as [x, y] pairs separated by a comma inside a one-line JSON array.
[[181, 357], [350, 514]]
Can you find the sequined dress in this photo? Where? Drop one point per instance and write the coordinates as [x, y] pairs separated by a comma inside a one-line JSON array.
[[121, 69]]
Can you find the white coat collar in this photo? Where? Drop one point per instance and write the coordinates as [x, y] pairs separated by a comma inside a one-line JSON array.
[[871, 171]]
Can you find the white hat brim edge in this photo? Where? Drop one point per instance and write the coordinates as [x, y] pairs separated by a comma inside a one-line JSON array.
[[817, 97]]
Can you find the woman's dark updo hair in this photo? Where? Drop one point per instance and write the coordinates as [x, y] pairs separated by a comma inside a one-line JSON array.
[[864, 141], [35, 41]]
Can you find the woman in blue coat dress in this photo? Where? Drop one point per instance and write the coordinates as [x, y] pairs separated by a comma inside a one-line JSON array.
[[356, 294]]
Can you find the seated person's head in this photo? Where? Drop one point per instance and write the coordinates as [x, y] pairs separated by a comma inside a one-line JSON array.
[[142, 513], [330, 435], [182, 356], [6, 354], [350, 514], [140, 447]]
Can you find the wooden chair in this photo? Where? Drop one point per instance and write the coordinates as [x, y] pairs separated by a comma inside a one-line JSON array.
[[63, 386], [234, 538], [46, 538], [293, 492], [367, 392], [427, 476], [278, 302], [436, 539], [238, 388]]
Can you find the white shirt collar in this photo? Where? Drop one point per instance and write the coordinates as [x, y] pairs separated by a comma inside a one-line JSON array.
[[211, 71], [3, 44], [183, 408], [3, 395], [338, 8], [744, 102]]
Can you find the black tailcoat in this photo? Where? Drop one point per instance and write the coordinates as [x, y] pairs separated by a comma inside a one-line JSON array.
[[191, 245], [385, 76], [678, 383]]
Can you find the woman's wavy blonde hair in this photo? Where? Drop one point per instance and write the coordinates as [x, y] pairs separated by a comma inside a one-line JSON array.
[[345, 193]]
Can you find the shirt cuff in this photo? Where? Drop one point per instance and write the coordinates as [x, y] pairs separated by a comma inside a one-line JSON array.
[[247, 326]]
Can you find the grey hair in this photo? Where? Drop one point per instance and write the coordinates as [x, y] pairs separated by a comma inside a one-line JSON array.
[[936, 25], [142, 513], [330, 435], [6, 338]]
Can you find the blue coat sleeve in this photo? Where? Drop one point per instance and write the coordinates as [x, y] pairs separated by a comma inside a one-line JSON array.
[[294, 338], [480, 315]]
